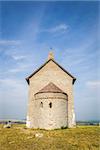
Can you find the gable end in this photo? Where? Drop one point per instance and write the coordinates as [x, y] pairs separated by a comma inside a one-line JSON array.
[[27, 79]]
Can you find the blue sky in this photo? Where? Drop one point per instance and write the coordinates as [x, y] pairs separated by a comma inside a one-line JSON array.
[[27, 32]]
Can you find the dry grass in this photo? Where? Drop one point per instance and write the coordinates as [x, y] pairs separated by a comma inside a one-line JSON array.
[[19, 138]]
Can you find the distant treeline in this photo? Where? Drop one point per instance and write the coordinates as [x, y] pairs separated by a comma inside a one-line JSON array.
[[88, 122], [12, 121], [95, 123]]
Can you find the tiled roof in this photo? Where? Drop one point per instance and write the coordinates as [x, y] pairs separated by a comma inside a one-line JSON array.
[[52, 88]]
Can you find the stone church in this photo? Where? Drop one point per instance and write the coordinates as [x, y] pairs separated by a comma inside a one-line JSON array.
[[50, 100]]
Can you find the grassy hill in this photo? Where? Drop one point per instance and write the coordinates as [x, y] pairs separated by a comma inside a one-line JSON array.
[[20, 138]]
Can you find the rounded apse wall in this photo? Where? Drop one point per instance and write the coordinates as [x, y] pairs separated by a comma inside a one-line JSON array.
[[51, 110]]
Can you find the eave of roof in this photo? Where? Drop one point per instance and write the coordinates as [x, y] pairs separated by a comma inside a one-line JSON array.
[[51, 88], [27, 79]]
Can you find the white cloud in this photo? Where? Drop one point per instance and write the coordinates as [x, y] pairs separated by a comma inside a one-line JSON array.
[[59, 28], [93, 84], [11, 83], [13, 94], [9, 42], [20, 68], [18, 57], [15, 70]]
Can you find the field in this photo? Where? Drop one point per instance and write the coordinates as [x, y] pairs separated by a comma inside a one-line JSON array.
[[20, 138]]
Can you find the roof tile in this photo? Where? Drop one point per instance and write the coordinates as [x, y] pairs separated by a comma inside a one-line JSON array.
[[51, 87]]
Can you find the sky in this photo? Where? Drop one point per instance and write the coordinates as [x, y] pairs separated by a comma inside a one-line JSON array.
[[28, 31]]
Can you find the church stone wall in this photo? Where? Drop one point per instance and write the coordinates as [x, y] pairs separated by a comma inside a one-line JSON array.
[[51, 110], [50, 73]]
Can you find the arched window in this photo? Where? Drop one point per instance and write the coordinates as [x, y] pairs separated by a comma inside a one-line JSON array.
[[50, 105], [41, 104]]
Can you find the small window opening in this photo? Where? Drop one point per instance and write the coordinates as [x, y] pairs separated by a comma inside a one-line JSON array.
[[41, 104], [50, 105]]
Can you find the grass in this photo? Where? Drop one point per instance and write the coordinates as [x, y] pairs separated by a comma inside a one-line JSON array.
[[20, 138]]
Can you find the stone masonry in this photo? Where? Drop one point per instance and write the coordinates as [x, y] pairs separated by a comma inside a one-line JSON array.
[[50, 100]]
